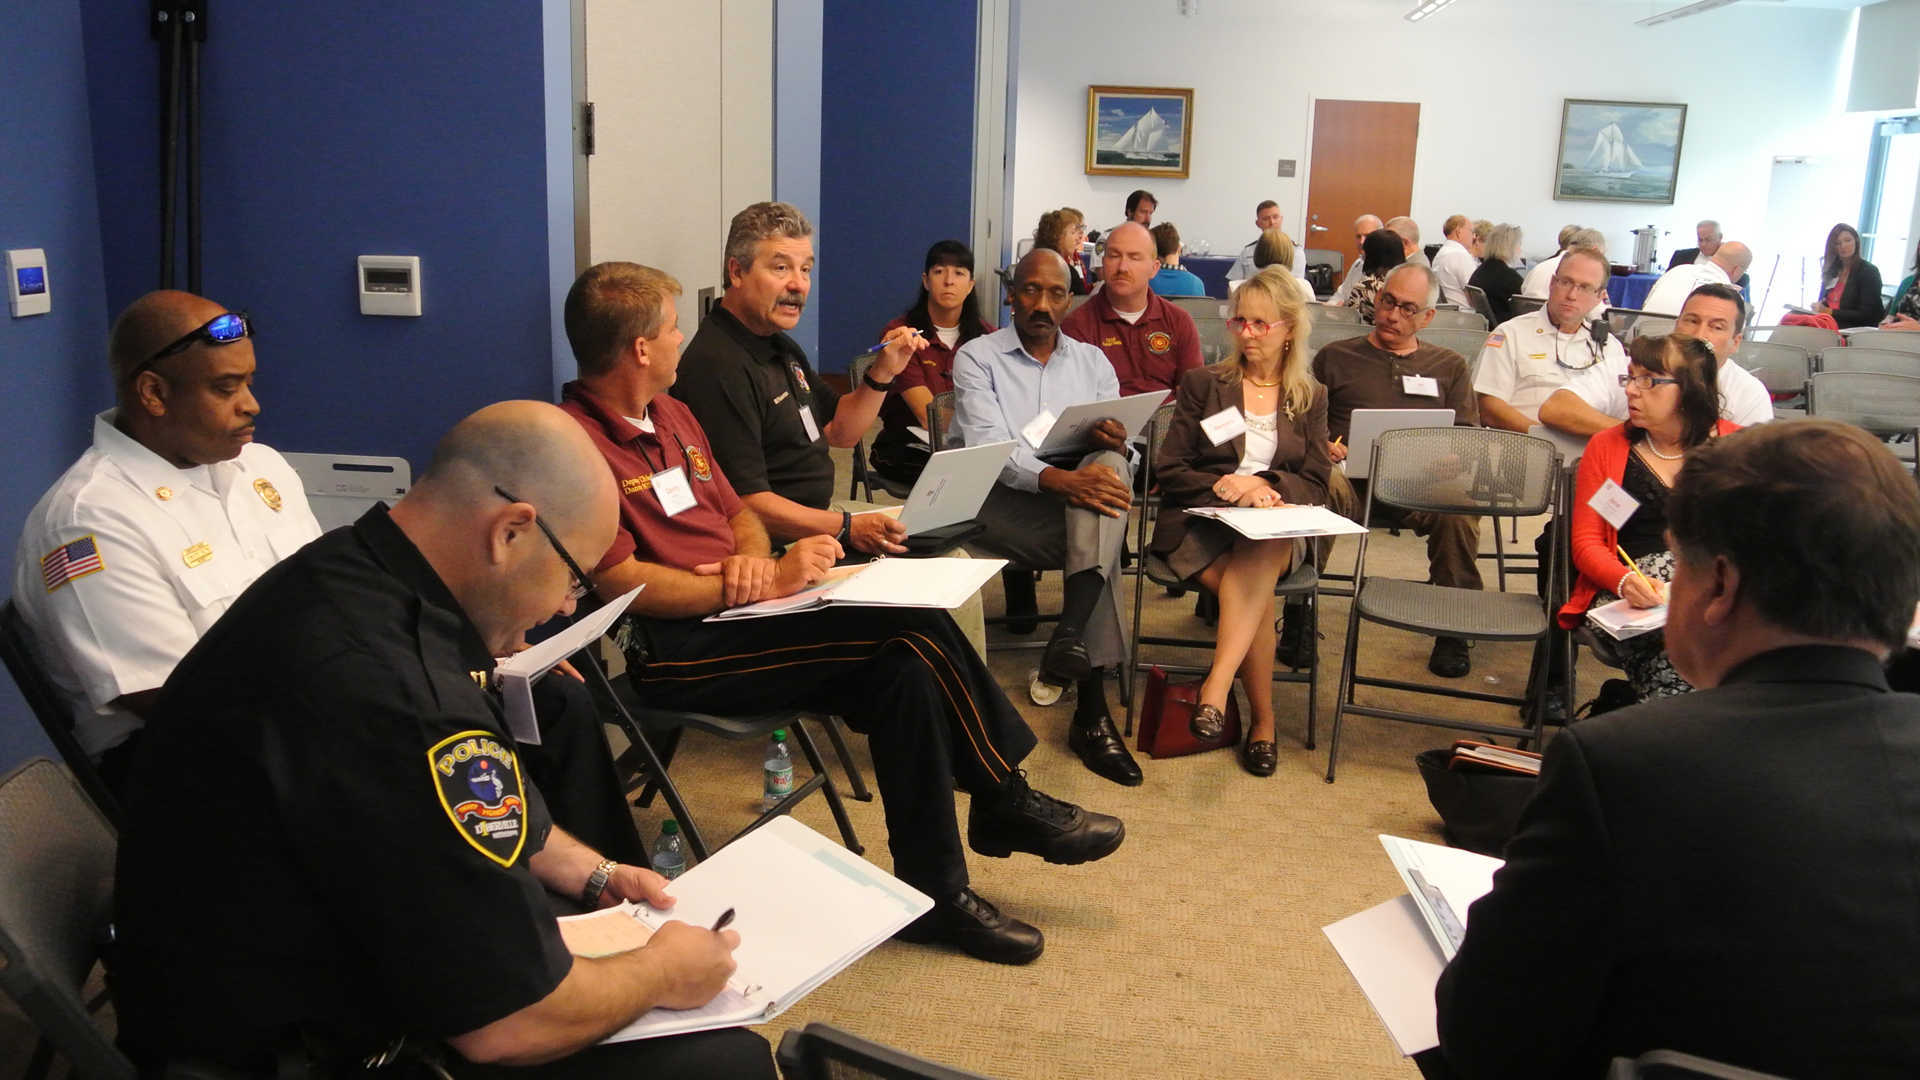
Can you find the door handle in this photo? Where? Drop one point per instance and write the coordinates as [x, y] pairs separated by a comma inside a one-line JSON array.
[[1316, 228]]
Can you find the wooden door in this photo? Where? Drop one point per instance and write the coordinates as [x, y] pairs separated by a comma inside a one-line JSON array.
[[1362, 163]]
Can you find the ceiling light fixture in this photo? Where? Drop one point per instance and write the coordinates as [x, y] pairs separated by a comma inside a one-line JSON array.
[[1682, 12], [1429, 7]]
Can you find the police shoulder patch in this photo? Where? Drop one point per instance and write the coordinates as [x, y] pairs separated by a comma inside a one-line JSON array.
[[477, 780]]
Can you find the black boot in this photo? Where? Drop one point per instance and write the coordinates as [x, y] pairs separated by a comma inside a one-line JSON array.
[[1296, 645]]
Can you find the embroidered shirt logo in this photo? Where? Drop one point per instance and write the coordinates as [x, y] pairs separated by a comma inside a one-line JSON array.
[[478, 782], [1159, 341]]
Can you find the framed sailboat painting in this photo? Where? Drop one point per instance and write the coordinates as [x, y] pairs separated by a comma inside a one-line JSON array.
[[1139, 131], [1619, 151]]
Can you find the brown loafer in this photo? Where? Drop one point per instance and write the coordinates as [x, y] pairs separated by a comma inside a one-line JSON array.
[[1207, 722], [1260, 758]]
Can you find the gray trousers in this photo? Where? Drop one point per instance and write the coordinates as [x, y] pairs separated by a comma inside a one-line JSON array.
[[1038, 531]]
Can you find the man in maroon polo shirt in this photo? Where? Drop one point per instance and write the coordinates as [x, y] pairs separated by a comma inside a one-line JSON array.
[[904, 677], [1149, 342]]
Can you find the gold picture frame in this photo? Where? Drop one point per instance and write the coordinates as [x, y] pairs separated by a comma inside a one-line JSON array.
[[1139, 131]]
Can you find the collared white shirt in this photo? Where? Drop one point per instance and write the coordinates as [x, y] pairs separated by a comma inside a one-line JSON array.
[[1669, 294], [1453, 265], [1526, 359], [998, 388], [1540, 277], [155, 554], [1743, 398]]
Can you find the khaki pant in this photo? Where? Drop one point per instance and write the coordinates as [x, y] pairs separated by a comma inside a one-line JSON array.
[[1453, 540]]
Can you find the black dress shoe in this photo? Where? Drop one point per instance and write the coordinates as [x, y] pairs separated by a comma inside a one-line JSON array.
[[1021, 606], [1449, 659], [1260, 758], [1296, 646], [1102, 750], [966, 921], [1018, 818], [1065, 661]]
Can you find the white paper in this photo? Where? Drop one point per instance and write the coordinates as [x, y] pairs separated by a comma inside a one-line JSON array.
[[1393, 958], [516, 693], [1036, 430], [671, 488], [1280, 522], [533, 662], [929, 583], [807, 421], [1614, 504], [1420, 385], [1621, 620], [920, 433], [1225, 425], [1461, 877]]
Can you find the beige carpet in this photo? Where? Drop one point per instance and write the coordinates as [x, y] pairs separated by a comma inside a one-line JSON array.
[[1194, 950]]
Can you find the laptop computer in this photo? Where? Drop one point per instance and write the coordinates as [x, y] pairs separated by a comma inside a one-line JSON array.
[[939, 511], [1367, 424]]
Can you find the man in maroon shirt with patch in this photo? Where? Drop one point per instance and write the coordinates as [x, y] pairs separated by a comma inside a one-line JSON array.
[[1149, 342], [904, 677]]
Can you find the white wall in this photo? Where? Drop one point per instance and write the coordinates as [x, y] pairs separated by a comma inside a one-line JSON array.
[[1489, 74]]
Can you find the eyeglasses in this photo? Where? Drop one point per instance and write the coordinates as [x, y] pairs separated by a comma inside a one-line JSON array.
[[1256, 327], [223, 329], [1577, 288], [1647, 382], [1386, 302], [582, 587]]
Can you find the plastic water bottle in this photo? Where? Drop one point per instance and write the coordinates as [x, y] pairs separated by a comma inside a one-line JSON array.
[[779, 765], [669, 857]]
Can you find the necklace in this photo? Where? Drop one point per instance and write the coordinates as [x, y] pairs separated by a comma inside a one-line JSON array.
[[1655, 451], [1263, 385]]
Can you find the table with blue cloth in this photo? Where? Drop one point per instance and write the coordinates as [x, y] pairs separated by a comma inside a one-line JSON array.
[[1630, 290], [1211, 270]]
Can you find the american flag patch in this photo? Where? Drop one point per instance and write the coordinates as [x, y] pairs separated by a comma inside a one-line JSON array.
[[1494, 341], [73, 560]]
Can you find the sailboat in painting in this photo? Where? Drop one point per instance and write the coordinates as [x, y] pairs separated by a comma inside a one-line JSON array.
[[1611, 155], [1145, 136]]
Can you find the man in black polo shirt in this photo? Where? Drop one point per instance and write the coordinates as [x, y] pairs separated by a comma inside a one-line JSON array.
[[770, 416], [331, 843]]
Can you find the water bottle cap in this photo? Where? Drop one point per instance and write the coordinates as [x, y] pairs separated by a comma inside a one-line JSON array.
[[780, 735], [669, 827]]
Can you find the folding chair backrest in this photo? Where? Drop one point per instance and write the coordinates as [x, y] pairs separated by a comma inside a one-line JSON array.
[[1464, 470], [1073, 305], [1891, 340], [56, 898], [1468, 343], [1213, 329], [1781, 368], [1882, 404], [1453, 319], [1329, 313], [1157, 431], [1477, 296], [1651, 326], [1810, 338], [49, 707], [1620, 320], [824, 1052], [1878, 361], [1198, 306], [939, 417], [1326, 334], [1521, 305], [341, 487]]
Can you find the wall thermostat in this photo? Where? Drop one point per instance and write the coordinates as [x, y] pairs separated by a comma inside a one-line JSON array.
[[27, 290], [389, 284]]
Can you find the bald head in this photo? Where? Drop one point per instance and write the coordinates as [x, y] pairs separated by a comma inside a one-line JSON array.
[[529, 448], [1029, 264], [1367, 223], [1408, 230], [150, 324], [1733, 257]]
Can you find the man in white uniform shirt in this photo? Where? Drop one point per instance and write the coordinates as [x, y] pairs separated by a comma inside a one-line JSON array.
[[1727, 265], [1594, 400], [1454, 263], [1530, 356], [142, 544], [1362, 226], [1535, 283], [1265, 216]]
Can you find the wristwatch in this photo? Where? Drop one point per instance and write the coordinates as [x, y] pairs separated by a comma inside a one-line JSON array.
[[872, 384], [597, 882]]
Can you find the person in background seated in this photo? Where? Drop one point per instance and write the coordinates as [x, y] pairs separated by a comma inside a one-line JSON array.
[[1849, 284], [1455, 262], [1673, 408], [1540, 276], [1266, 218], [947, 315], [1278, 457], [1530, 356], [1904, 314], [1729, 874], [1171, 280], [1275, 248], [1381, 251], [1140, 207], [903, 677], [1064, 230], [1727, 266], [1148, 341], [1496, 275], [1363, 226], [370, 868]]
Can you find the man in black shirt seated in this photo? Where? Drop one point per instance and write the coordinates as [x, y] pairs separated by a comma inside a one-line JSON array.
[[1730, 873]]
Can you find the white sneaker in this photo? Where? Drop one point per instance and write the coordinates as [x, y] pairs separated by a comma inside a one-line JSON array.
[[1041, 691]]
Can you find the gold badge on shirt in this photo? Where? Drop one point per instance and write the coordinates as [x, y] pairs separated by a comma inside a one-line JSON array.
[[701, 469], [197, 554], [267, 494], [163, 493]]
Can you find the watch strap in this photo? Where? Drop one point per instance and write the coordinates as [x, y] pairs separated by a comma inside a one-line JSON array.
[[872, 384], [597, 882]]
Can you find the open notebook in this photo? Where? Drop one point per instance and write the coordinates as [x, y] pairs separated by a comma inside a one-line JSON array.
[[806, 908], [929, 583]]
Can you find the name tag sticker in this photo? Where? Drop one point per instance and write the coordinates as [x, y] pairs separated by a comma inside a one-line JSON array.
[[1224, 426], [1614, 504], [671, 488], [1420, 385], [1036, 430], [807, 421]]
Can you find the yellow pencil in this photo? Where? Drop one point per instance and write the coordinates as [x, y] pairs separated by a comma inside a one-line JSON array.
[[1635, 567]]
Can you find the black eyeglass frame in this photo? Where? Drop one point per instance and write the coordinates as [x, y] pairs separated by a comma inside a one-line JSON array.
[[582, 585], [203, 332]]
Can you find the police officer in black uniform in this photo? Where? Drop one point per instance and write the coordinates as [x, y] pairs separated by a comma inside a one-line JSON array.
[[331, 849]]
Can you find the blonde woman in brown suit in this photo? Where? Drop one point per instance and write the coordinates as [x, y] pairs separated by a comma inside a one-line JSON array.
[[1279, 457]]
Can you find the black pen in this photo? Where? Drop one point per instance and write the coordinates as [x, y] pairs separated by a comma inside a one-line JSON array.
[[720, 923]]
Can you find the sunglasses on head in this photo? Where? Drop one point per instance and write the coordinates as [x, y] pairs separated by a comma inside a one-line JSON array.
[[223, 329]]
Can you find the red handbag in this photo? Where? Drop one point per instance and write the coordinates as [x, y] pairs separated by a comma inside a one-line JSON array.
[[1166, 711]]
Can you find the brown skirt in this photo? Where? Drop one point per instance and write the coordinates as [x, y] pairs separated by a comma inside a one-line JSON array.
[[1205, 541]]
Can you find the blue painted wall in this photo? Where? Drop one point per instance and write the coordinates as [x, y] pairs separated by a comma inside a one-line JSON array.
[[896, 152], [797, 27], [335, 130], [54, 374]]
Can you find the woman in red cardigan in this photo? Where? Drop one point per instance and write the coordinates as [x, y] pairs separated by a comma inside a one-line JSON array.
[[1673, 405]]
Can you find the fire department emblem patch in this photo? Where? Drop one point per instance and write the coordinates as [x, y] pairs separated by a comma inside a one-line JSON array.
[[1159, 341]]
